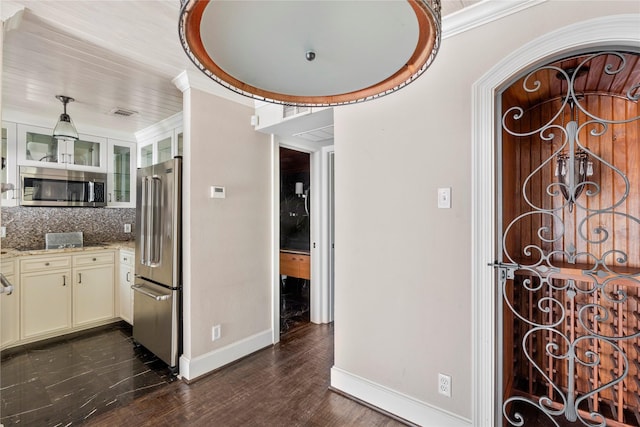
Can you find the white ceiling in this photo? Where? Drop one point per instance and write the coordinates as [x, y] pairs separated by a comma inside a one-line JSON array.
[[106, 54]]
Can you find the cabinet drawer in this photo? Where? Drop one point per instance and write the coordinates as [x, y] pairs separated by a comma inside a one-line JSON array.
[[29, 265], [126, 258], [305, 266], [289, 265], [295, 265], [94, 258], [8, 267]]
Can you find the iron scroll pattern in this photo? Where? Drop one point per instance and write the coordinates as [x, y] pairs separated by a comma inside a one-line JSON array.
[[562, 397]]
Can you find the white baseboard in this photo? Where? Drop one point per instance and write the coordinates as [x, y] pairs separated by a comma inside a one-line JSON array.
[[394, 402], [191, 369]]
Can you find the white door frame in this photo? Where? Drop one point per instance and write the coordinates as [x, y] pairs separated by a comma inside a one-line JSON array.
[[321, 287], [615, 32]]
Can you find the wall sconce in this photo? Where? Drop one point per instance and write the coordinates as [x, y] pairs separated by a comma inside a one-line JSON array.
[[573, 168], [582, 168]]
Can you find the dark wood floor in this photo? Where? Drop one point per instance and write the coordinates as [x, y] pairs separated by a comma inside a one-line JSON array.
[[284, 385], [287, 385], [69, 379]]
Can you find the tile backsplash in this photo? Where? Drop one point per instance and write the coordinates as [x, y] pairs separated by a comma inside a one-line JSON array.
[[26, 226]]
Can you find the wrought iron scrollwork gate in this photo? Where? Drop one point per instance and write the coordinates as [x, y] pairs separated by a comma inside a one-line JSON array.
[[569, 270]]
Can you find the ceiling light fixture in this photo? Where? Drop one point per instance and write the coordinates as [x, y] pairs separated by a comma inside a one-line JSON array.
[[65, 130], [311, 53]]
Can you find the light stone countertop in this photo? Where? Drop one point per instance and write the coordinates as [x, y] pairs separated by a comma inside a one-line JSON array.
[[7, 253]]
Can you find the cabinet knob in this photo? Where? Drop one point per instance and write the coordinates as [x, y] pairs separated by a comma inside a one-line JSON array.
[[125, 258], [46, 264], [94, 259]]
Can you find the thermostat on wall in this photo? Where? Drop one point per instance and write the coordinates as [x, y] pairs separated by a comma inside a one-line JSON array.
[[217, 192]]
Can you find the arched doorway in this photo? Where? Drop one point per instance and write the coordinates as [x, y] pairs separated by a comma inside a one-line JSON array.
[[619, 31], [569, 246]]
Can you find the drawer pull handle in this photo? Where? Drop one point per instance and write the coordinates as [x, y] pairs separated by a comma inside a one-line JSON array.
[[46, 264], [128, 276]]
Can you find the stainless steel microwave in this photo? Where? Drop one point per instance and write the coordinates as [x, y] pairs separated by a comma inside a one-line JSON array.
[[61, 187]]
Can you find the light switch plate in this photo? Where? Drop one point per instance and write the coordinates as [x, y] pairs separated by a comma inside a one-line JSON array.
[[444, 198]]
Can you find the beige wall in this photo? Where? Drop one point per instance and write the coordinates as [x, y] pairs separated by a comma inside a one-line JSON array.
[[229, 240], [403, 274]]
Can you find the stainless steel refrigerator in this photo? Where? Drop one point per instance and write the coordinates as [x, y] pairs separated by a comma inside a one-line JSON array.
[[157, 301]]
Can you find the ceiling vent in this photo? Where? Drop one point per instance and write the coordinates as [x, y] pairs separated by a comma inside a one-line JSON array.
[[122, 112]]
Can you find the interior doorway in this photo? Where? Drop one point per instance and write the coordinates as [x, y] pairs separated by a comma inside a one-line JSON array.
[[295, 239], [569, 243]]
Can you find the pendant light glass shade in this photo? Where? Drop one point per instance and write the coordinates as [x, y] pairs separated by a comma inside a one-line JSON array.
[[311, 53], [65, 130]]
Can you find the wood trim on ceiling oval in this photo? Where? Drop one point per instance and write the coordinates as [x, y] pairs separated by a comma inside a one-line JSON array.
[[426, 48]]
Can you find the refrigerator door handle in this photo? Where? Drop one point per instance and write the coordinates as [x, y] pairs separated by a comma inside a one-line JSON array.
[[145, 291], [155, 223], [143, 222]]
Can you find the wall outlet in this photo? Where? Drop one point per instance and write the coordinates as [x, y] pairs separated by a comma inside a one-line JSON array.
[[444, 384], [127, 228], [3, 231], [215, 333]]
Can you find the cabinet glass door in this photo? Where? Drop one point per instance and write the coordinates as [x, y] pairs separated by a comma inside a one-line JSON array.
[[146, 155], [85, 153], [121, 174], [179, 143], [121, 186], [37, 147], [42, 148], [8, 174], [164, 150]]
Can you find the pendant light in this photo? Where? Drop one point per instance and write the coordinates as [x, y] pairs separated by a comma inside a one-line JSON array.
[[65, 130], [311, 52]]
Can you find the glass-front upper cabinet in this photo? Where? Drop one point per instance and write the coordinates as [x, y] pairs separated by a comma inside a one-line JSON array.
[[145, 155], [36, 147], [121, 185], [179, 142], [156, 150], [9, 176], [160, 142], [165, 151]]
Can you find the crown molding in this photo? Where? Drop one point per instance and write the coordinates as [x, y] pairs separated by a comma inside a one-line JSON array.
[[482, 13], [195, 79], [166, 125]]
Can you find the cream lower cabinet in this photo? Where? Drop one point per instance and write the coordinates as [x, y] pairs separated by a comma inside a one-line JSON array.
[[9, 306], [93, 295], [60, 294], [125, 293], [93, 290], [46, 302]]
